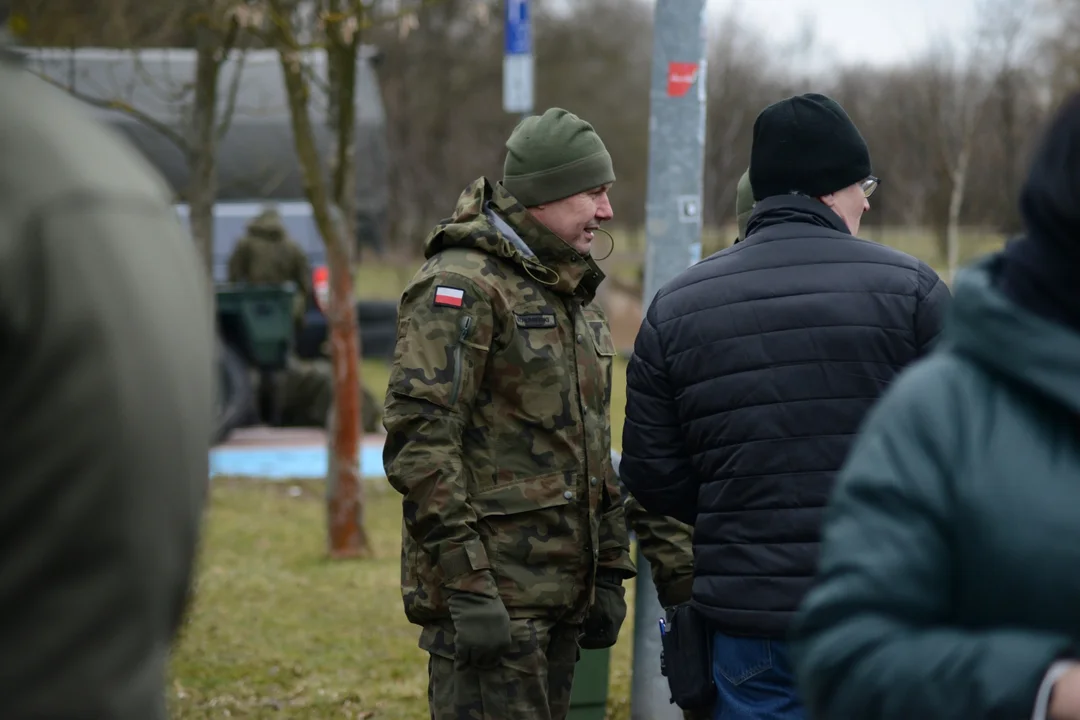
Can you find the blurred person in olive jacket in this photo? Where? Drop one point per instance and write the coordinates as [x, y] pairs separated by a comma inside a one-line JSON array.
[[106, 350]]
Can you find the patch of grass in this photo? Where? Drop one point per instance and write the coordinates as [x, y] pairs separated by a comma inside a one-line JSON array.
[[276, 630], [383, 280], [375, 375]]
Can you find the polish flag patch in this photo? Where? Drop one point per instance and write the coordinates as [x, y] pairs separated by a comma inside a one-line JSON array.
[[449, 296]]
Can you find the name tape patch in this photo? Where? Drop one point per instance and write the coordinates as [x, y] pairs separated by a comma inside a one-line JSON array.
[[449, 296], [535, 320]]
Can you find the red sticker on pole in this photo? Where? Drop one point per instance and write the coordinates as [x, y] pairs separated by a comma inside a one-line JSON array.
[[320, 282], [680, 78]]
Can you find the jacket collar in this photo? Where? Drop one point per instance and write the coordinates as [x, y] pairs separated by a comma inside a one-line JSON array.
[[515, 236], [785, 209]]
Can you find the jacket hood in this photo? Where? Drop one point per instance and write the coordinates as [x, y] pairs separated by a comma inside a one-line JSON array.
[[1050, 197], [988, 327], [267, 224], [489, 219]]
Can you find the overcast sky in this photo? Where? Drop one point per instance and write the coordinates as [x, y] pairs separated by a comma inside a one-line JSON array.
[[871, 31]]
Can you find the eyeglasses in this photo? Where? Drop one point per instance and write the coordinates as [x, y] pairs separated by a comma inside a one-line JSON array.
[[869, 185]]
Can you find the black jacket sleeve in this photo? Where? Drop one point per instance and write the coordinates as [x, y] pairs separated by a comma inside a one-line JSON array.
[[655, 466], [932, 302]]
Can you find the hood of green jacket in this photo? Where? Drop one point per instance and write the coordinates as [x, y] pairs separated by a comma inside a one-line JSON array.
[[267, 224], [998, 334], [489, 219]]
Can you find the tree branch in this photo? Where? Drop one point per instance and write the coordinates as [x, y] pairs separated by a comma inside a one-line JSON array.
[[128, 109], [234, 91]]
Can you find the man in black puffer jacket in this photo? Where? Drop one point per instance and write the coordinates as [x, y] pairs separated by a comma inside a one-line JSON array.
[[751, 374]]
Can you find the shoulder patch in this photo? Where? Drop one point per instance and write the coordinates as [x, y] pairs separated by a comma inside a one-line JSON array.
[[449, 296]]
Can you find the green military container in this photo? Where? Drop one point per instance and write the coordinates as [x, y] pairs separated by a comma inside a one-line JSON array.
[[588, 698], [257, 322]]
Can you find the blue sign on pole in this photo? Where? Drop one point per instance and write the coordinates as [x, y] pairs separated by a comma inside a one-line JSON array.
[[518, 29], [517, 58]]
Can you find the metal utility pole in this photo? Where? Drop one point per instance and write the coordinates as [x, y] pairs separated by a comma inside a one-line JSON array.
[[517, 58], [673, 243]]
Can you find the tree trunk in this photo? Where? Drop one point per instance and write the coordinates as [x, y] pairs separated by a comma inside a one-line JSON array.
[[202, 187], [956, 202], [343, 51], [346, 533]]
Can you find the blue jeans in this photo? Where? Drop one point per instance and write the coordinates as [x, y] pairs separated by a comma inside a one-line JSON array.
[[754, 680]]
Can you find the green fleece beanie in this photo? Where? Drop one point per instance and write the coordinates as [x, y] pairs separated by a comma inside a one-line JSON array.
[[553, 156], [744, 203]]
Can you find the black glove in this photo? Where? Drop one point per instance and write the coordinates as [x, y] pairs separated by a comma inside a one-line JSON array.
[[481, 628], [601, 627]]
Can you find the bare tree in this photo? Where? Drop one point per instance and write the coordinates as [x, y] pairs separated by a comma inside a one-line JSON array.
[[1061, 46], [952, 90], [346, 533], [216, 26]]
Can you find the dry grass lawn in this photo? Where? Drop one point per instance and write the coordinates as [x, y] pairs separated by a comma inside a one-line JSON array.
[[278, 631]]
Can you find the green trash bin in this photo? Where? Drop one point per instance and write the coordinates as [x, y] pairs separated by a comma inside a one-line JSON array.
[[588, 698], [257, 321]]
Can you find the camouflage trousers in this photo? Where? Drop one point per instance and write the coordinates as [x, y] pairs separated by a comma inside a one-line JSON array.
[[532, 681]]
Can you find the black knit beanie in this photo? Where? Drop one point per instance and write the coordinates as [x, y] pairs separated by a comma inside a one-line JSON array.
[[806, 143]]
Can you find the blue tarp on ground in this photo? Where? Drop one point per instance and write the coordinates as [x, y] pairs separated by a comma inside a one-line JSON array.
[[281, 463]]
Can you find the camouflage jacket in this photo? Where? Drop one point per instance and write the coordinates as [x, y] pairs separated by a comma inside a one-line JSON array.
[[267, 255], [667, 544], [499, 435]]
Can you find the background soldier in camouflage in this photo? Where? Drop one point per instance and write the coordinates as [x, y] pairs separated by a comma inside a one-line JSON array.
[[266, 255], [303, 392], [665, 542], [514, 544]]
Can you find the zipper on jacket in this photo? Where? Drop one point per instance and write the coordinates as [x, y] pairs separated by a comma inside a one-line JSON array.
[[466, 325]]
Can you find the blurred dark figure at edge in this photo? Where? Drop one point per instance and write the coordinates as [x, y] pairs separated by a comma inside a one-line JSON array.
[[107, 411], [948, 585]]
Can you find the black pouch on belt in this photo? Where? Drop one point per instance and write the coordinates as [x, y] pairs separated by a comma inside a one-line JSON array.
[[686, 638]]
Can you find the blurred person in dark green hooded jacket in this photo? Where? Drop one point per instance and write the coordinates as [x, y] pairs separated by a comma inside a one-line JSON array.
[[948, 585], [107, 411]]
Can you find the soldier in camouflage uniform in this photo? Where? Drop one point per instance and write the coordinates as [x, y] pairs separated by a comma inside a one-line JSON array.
[[665, 542], [266, 255], [304, 391], [514, 542]]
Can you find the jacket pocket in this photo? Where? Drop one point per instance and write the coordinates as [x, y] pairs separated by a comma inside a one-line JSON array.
[[533, 539], [604, 344], [464, 328], [738, 659]]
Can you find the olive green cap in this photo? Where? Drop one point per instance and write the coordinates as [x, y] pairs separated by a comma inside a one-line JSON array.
[[553, 156]]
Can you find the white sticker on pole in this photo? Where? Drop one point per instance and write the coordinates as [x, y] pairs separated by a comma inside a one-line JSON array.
[[518, 83]]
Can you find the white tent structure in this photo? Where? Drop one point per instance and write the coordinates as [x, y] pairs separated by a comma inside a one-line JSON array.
[[256, 156]]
